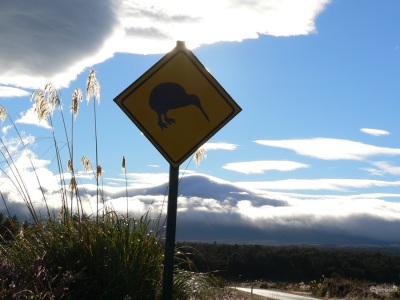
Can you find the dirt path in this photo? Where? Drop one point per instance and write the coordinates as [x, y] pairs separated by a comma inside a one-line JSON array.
[[270, 294]]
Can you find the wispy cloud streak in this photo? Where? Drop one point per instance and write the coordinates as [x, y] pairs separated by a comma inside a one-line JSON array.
[[260, 167], [219, 146], [342, 185], [6, 91], [376, 132], [330, 149]]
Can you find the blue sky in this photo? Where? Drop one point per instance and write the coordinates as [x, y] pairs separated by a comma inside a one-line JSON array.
[[318, 82]]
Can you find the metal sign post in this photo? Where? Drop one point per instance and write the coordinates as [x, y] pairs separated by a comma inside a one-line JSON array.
[[178, 105], [170, 234]]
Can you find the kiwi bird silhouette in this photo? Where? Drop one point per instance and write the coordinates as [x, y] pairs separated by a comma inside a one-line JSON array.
[[169, 95]]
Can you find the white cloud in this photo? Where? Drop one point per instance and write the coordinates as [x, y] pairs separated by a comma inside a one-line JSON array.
[[359, 218], [55, 41], [14, 145], [5, 129], [322, 197], [156, 23], [260, 167], [317, 184], [382, 168], [31, 117], [6, 91], [144, 180], [376, 132], [330, 149], [219, 146], [20, 181]]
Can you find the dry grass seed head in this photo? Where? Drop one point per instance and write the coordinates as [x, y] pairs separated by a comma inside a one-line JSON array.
[[99, 172], [36, 94], [72, 184], [92, 87], [123, 163], [70, 167], [86, 163], [3, 114], [76, 98], [200, 155], [43, 111], [51, 93], [60, 213], [41, 107]]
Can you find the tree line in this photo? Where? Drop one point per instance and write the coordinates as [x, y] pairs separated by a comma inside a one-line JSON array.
[[293, 263], [271, 263]]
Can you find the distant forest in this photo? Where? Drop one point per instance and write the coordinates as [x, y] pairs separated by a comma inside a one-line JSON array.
[[294, 263]]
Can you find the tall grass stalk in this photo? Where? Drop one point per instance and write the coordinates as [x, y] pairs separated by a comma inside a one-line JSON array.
[[76, 98], [93, 93], [105, 258], [126, 186], [18, 180], [46, 102], [77, 256]]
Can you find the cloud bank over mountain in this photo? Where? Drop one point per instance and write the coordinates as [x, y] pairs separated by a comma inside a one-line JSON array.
[[211, 209]]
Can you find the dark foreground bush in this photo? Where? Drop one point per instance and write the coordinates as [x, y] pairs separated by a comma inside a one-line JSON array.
[[109, 258], [86, 259]]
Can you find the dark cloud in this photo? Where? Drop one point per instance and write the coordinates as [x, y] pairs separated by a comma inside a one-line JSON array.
[[42, 37], [149, 33], [158, 15], [54, 40]]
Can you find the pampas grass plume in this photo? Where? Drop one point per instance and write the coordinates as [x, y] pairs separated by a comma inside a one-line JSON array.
[[70, 167], [76, 98], [86, 163], [51, 93], [72, 184], [92, 87], [99, 171], [3, 114], [41, 107], [200, 155]]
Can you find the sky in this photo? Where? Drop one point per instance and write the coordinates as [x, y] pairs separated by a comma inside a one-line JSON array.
[[313, 157]]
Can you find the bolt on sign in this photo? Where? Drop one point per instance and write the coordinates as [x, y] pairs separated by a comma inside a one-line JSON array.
[[177, 104]]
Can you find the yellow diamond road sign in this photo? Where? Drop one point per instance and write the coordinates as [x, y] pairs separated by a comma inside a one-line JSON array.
[[177, 104]]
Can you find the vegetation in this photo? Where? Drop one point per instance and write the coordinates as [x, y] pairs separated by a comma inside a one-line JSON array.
[[83, 260], [295, 263], [72, 255], [338, 273], [9, 227]]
